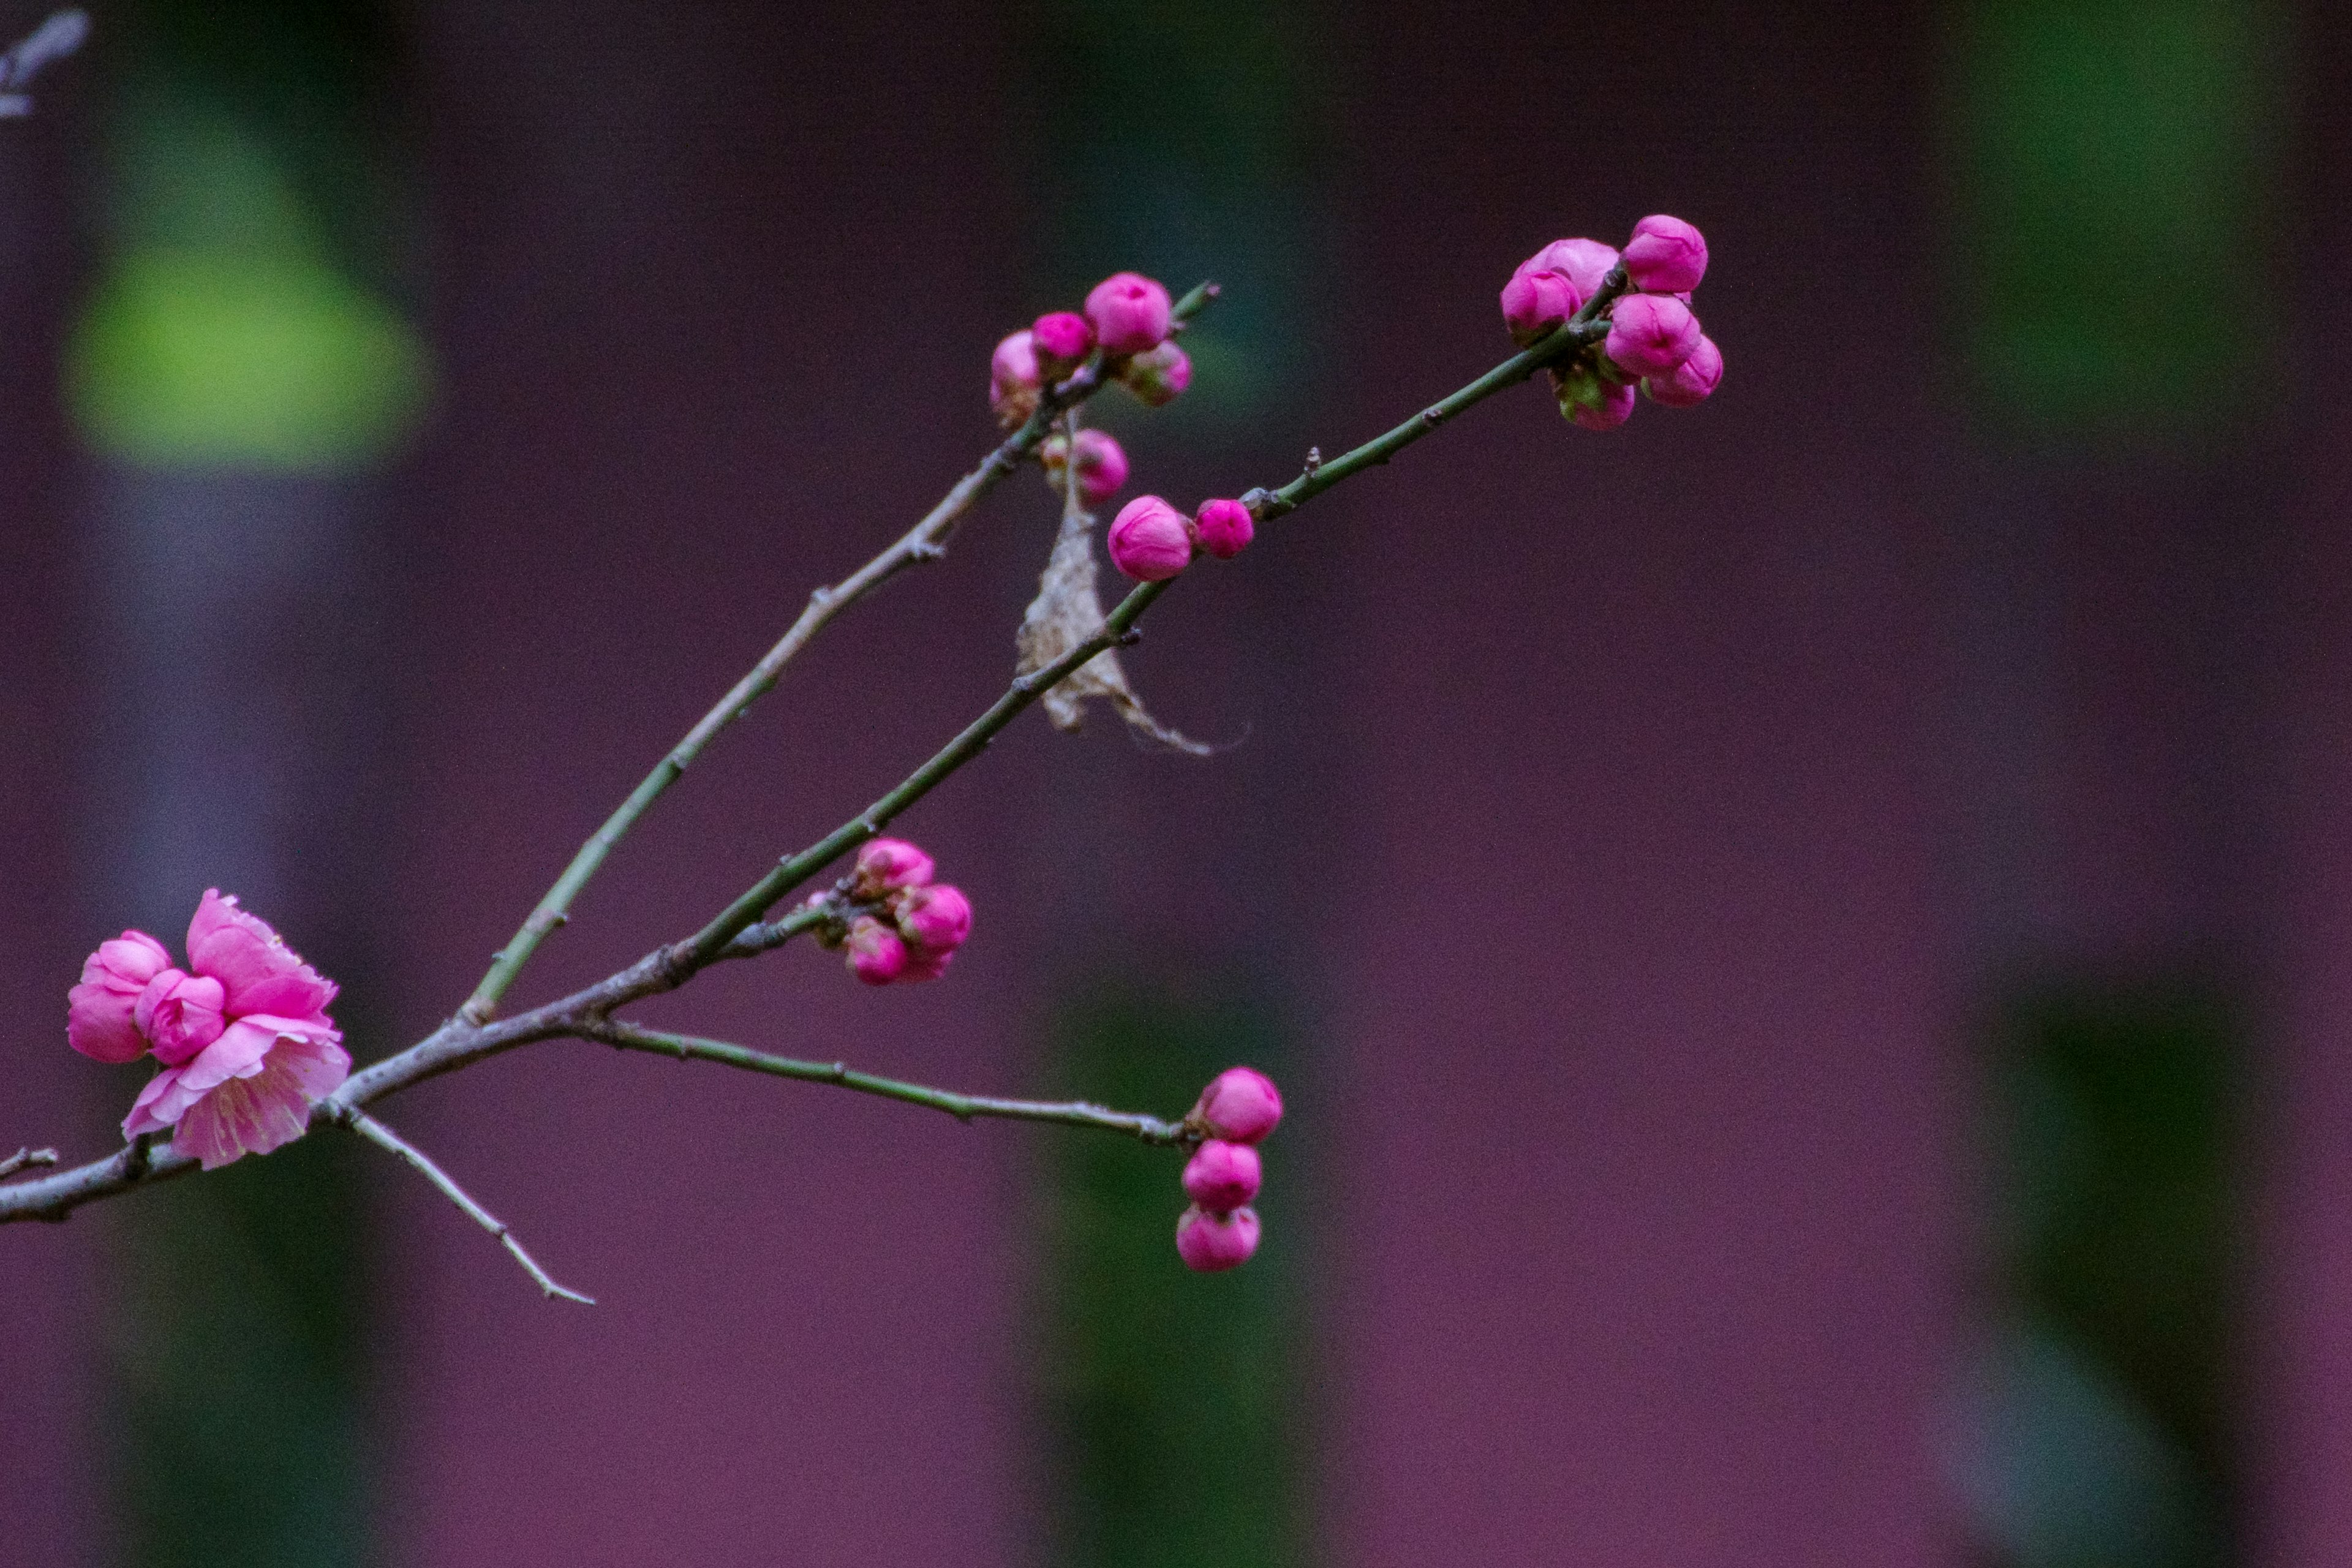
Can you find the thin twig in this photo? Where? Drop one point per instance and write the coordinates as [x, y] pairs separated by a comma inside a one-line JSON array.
[[466, 1039], [927, 540], [23, 1157], [383, 1137], [962, 1107]]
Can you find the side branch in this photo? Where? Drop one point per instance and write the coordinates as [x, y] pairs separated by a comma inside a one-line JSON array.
[[962, 1107], [23, 1157], [927, 540], [383, 1137]]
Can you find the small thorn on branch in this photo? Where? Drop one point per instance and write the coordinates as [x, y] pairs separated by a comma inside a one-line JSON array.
[[1130, 636], [927, 553], [23, 1158], [1314, 459]]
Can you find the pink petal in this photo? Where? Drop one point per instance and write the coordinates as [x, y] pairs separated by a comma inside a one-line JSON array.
[[161, 1101], [98, 1022], [246, 1116], [241, 951], [310, 1049], [243, 1047]]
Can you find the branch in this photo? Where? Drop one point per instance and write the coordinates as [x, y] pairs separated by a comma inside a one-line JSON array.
[[738, 932], [23, 1157], [383, 1137], [927, 540], [962, 1107]]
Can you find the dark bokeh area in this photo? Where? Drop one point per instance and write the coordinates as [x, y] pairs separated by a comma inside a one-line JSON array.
[[1804, 940]]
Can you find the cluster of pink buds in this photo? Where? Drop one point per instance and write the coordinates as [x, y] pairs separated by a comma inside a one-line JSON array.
[[1653, 340], [1128, 319], [909, 926], [1235, 1113], [1151, 540], [243, 1033]]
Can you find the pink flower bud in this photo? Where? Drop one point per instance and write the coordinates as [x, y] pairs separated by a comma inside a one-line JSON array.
[[1149, 540], [1649, 334], [99, 1021], [1013, 379], [1211, 1243], [1221, 1176], [1241, 1105], [926, 965], [181, 1014], [887, 865], [1583, 262], [1690, 383], [1130, 312], [1102, 464], [1536, 302], [934, 919], [1061, 341], [877, 955], [1223, 526], [1592, 400], [1158, 376], [1665, 255]]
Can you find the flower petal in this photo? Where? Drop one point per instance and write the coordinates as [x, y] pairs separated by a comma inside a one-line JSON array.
[[246, 1116], [260, 972], [98, 1022]]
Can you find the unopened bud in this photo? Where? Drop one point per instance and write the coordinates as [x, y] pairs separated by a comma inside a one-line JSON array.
[[1063, 340], [1592, 400], [1690, 383], [934, 919], [1241, 1105], [1225, 528], [1583, 262], [1149, 540], [877, 955], [1649, 334], [1129, 313], [1222, 1176], [1013, 379], [1158, 376], [1665, 255], [887, 865], [1536, 302], [1211, 1243], [1102, 464]]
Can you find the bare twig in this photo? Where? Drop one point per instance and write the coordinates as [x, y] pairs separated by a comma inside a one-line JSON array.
[[383, 1137], [25, 1157], [962, 1107], [738, 930], [927, 540]]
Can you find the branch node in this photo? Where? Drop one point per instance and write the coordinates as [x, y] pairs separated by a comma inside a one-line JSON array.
[[1130, 636], [927, 552]]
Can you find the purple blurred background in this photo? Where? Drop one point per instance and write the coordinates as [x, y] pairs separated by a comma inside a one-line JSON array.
[[1639, 842]]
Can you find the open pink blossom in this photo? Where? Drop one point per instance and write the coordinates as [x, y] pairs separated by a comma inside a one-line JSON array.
[[99, 1011], [243, 1034]]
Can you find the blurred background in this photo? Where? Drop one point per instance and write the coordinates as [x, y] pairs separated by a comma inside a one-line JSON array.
[[1806, 942]]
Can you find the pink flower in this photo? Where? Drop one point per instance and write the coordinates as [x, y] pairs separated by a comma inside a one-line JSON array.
[[1222, 1176], [1062, 341], [1015, 379], [935, 919], [1241, 1105], [1102, 464], [99, 1021], [1690, 383], [1149, 540], [1536, 302], [1225, 528], [1649, 334], [1130, 312], [887, 865], [1583, 262], [1665, 255], [877, 955], [246, 1039], [1158, 376], [1211, 1243]]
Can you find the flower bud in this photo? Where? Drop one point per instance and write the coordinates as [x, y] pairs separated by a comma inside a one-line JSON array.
[[1211, 1243], [1592, 400], [1649, 334], [1158, 376], [1583, 262], [934, 919], [1221, 1176], [1665, 255], [1149, 540], [1223, 528], [1690, 383], [1013, 379], [926, 965], [181, 1014], [1536, 302], [1129, 313], [99, 1012], [1241, 1105], [1102, 464], [1061, 341], [887, 865], [877, 955]]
